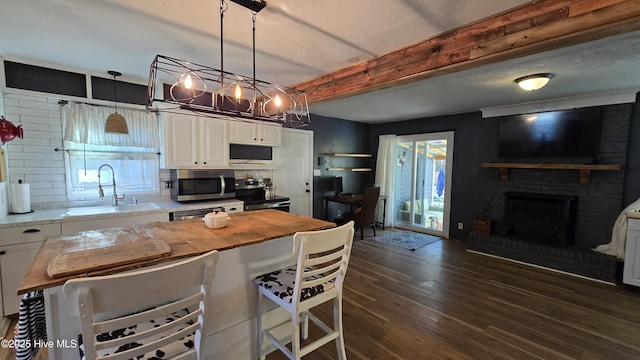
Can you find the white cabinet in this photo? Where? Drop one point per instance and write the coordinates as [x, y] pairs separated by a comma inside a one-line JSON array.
[[18, 248], [73, 227], [193, 142], [270, 134], [631, 272], [254, 133]]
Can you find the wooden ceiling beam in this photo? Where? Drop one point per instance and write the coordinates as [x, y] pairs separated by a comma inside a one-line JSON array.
[[533, 28]]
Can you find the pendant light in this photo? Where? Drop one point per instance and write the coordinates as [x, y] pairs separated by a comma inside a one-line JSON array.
[[212, 90], [115, 124]]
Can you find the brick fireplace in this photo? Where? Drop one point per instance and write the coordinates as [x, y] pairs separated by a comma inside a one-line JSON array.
[[574, 218]]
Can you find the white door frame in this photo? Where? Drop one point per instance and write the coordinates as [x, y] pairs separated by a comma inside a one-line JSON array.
[[446, 215]]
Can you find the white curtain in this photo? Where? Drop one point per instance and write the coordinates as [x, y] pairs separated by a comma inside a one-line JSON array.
[[385, 174], [84, 124]]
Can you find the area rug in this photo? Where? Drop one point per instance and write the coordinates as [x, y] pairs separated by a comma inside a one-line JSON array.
[[406, 239]]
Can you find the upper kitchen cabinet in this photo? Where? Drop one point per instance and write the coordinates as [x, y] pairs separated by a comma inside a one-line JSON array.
[[193, 142], [255, 133]]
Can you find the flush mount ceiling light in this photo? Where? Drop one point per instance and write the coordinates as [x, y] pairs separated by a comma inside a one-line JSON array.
[[206, 89], [115, 124], [534, 82]]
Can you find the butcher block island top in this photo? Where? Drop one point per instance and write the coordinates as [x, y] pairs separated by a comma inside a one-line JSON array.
[[100, 252]]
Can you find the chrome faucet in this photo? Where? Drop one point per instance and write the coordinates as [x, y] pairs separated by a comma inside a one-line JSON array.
[[114, 197]]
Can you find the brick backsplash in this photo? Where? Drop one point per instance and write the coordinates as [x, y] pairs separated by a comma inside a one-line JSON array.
[[34, 159]]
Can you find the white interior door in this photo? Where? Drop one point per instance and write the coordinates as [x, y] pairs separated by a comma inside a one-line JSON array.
[[293, 177]]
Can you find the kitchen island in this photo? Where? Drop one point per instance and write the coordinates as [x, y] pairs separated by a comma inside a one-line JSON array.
[[251, 244]]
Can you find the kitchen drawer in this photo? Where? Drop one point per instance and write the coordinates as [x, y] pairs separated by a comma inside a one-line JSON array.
[[633, 224], [25, 234]]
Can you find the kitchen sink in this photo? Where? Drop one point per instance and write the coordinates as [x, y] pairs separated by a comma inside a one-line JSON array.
[[108, 209]]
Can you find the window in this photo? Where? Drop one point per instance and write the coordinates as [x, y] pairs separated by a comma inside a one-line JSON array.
[[136, 170], [133, 157]]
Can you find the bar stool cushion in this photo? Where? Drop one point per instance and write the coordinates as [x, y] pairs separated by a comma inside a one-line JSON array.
[[281, 283], [159, 354]]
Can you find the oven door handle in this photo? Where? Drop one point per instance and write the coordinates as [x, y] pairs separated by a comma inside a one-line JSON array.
[[223, 185], [280, 204]]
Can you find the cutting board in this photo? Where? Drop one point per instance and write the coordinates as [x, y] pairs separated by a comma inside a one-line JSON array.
[[78, 262]]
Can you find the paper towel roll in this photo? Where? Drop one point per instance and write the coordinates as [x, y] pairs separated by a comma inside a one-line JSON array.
[[20, 198]]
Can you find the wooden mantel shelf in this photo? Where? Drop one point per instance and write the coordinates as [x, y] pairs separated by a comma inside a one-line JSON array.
[[584, 169]]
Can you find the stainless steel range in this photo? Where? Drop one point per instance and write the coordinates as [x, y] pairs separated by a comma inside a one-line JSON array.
[[257, 193]]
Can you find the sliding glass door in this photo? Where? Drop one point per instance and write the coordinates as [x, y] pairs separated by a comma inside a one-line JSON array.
[[422, 181]]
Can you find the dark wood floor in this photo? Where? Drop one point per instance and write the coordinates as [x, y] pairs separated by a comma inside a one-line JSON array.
[[442, 302]]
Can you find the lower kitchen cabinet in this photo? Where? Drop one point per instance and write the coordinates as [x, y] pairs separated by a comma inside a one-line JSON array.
[[18, 248], [15, 261], [631, 272]]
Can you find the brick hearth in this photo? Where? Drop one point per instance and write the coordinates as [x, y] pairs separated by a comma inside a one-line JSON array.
[[586, 263]]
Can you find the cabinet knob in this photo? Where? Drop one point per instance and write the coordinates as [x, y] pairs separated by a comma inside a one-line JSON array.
[[2, 252], [204, 162], [195, 162], [31, 231]]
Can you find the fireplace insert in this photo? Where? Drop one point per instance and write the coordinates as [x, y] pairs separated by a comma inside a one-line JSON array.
[[545, 218]]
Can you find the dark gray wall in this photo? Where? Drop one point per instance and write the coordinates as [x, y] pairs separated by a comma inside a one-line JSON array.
[[468, 138], [476, 191], [632, 170], [338, 135]]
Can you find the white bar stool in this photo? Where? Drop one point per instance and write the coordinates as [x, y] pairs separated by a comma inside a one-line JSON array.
[[323, 257], [159, 312]]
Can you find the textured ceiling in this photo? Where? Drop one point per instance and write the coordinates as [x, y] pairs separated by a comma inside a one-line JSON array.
[[298, 40]]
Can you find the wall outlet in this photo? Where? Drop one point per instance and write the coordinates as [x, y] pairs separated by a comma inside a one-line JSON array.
[[460, 226]]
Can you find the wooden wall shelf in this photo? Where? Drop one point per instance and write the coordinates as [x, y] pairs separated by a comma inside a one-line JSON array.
[[349, 154], [353, 155], [349, 169], [584, 169]]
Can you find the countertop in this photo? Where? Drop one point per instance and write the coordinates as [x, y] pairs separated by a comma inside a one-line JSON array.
[[633, 214], [186, 238], [51, 216]]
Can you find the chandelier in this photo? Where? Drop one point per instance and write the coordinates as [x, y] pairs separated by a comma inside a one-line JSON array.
[[216, 91]]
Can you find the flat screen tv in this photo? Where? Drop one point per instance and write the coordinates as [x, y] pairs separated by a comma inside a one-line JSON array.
[[567, 133]]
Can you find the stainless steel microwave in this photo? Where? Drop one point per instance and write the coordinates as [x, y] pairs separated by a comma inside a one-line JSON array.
[[192, 185]]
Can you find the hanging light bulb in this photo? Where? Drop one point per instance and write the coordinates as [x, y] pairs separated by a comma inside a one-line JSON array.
[[188, 82], [238, 92], [278, 101]]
